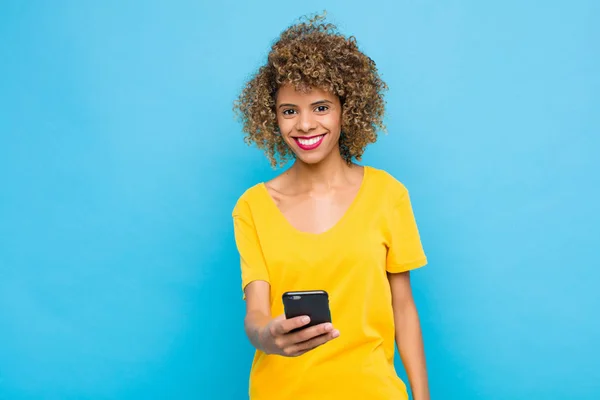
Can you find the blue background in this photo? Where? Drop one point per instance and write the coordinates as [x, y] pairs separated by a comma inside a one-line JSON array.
[[120, 162]]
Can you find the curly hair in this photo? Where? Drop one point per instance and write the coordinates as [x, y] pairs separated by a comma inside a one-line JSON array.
[[313, 54]]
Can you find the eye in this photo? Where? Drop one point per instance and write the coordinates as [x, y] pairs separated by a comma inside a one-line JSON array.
[[321, 108], [288, 111]]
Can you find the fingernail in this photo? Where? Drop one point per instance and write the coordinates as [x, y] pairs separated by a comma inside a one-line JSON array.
[[328, 327], [305, 320], [336, 333]]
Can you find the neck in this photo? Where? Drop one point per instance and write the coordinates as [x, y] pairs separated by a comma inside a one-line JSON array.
[[330, 172]]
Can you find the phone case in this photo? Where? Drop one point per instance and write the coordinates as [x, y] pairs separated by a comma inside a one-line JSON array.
[[314, 303]]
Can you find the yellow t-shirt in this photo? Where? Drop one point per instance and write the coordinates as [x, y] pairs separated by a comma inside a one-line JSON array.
[[376, 235]]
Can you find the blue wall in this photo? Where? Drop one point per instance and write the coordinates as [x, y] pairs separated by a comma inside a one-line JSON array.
[[120, 162]]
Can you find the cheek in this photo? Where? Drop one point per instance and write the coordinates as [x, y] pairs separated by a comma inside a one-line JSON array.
[[284, 124], [333, 123]]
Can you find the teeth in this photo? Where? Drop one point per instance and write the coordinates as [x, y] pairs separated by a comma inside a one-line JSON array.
[[308, 142]]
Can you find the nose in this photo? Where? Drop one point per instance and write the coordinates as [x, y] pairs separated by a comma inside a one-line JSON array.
[[306, 122]]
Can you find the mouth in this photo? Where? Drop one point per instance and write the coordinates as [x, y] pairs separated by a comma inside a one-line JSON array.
[[309, 143]]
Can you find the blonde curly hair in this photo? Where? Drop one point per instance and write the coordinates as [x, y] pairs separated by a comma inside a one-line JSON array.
[[313, 54]]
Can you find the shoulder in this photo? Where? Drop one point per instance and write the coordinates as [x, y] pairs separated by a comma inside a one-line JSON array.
[[260, 197], [250, 198], [384, 183]]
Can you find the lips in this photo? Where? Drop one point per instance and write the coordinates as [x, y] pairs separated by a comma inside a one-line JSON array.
[[310, 142]]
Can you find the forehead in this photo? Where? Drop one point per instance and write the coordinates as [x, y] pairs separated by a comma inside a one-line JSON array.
[[289, 94]]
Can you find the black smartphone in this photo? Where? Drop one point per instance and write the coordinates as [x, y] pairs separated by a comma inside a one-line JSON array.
[[313, 303]]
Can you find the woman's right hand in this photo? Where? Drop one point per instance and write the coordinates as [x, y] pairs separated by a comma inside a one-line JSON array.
[[276, 337]]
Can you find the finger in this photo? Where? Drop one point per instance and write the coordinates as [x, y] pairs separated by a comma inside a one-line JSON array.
[[315, 342], [309, 333], [288, 325]]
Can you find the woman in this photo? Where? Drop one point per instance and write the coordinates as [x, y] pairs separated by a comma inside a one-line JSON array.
[[326, 223]]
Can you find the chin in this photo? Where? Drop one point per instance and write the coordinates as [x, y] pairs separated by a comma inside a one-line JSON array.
[[311, 159]]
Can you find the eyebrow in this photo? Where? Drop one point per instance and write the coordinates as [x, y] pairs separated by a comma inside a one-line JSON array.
[[312, 104]]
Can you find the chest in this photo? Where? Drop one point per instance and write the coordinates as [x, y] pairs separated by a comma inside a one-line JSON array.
[[355, 250], [315, 213]]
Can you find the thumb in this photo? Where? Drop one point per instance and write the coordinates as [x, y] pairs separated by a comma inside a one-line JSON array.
[[277, 324]]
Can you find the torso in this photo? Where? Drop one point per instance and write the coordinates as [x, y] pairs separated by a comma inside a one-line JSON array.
[[338, 241]]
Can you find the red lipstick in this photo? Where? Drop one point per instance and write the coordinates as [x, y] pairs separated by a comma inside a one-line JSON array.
[[309, 143]]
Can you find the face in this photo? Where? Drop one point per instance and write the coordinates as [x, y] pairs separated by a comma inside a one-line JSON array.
[[309, 122]]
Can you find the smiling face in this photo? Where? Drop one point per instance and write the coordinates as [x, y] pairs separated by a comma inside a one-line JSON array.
[[310, 123]]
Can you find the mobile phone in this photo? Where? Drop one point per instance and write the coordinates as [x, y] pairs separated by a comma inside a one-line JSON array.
[[313, 303]]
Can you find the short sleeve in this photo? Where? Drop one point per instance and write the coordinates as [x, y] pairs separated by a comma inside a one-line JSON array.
[[405, 250], [252, 262]]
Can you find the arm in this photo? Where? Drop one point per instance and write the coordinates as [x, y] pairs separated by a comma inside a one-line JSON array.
[[408, 334], [258, 312]]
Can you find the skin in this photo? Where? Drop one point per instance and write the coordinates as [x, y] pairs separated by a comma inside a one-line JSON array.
[[313, 195], [408, 335]]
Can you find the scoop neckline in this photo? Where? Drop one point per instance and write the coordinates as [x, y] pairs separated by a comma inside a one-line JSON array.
[[341, 221]]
